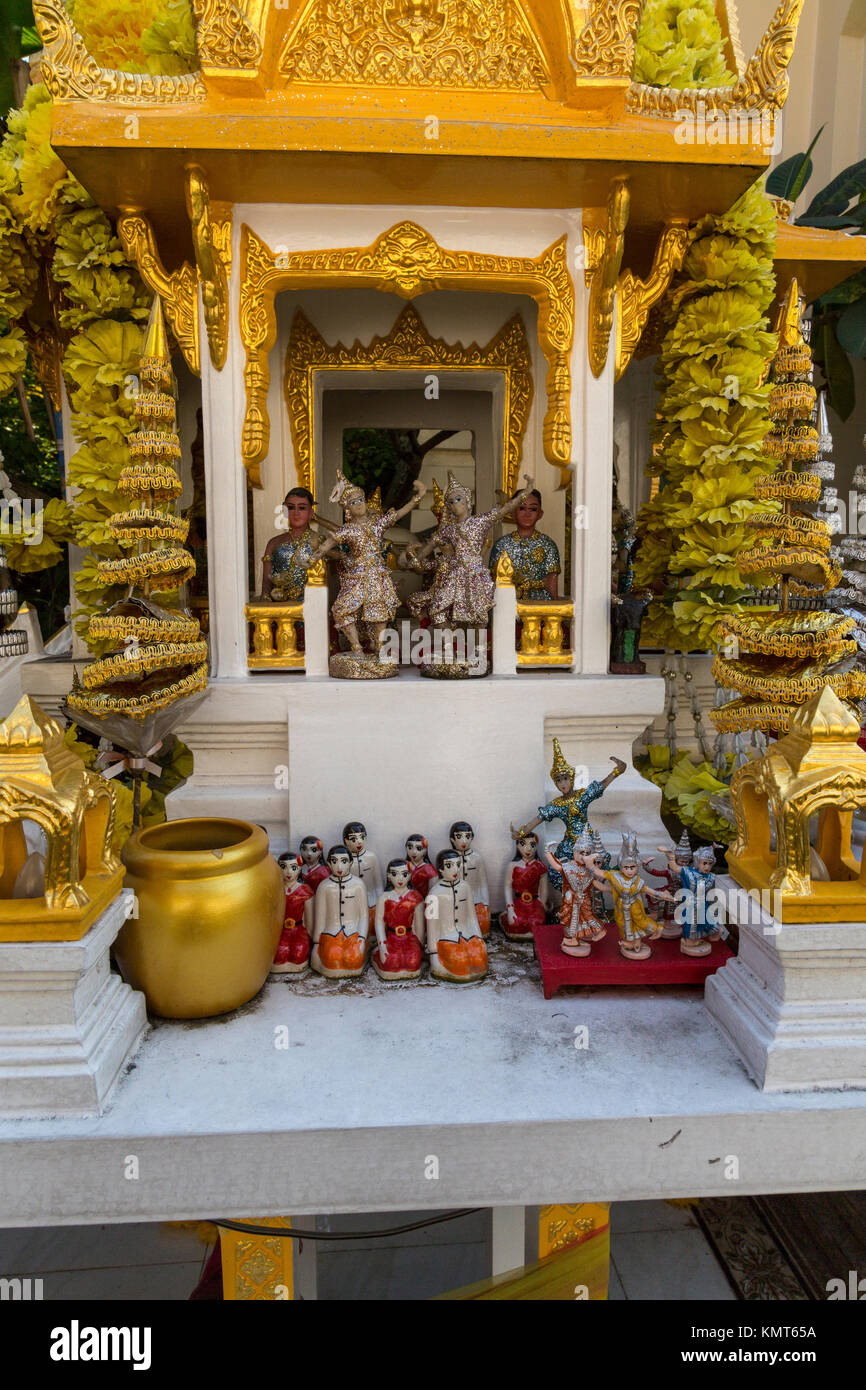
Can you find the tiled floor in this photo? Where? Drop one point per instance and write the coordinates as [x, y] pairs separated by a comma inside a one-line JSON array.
[[658, 1252]]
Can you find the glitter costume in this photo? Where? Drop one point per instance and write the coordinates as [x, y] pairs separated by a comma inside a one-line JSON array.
[[579, 922], [572, 811], [534, 557], [697, 903], [629, 913], [462, 590], [366, 589], [288, 576]]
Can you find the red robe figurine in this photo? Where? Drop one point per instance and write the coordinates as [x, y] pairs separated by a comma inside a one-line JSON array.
[[526, 891], [293, 949], [421, 870], [399, 925], [313, 871]]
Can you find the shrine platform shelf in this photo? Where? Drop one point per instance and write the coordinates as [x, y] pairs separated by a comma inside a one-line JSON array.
[[598, 1095]]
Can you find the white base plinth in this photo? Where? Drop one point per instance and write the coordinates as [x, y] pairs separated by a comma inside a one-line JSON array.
[[793, 1002], [68, 1025]]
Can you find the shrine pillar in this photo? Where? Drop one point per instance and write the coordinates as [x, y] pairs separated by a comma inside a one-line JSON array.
[[593, 425]]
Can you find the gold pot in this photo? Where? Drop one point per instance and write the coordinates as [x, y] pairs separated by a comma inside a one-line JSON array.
[[210, 904]]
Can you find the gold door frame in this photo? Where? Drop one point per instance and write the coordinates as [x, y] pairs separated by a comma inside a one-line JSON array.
[[405, 260], [407, 347]]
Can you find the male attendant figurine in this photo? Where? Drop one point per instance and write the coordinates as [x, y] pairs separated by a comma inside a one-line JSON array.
[[342, 920], [534, 555], [284, 572], [454, 942], [364, 862], [472, 869]]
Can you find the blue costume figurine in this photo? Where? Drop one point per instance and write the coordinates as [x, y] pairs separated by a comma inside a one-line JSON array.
[[696, 904], [534, 555], [571, 807]]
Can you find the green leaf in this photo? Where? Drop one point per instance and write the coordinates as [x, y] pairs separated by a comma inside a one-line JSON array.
[[851, 328], [839, 373], [839, 192], [834, 222], [790, 177], [848, 292]]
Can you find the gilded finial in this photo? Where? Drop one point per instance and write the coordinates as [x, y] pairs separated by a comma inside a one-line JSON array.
[[155, 338], [560, 767], [788, 322]]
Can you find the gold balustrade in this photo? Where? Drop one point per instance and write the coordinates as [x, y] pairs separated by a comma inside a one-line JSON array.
[[274, 636], [542, 636]]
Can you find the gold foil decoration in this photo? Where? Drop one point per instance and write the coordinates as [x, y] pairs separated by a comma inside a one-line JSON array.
[[604, 244], [816, 769], [224, 36], [177, 289], [71, 74], [408, 346], [637, 297], [404, 260], [257, 1267], [605, 45], [211, 238], [489, 44], [43, 781]]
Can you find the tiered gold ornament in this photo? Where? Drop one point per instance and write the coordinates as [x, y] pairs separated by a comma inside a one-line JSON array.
[[160, 656], [777, 659]]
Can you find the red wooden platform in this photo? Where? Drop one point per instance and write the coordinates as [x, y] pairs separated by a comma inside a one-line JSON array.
[[666, 966]]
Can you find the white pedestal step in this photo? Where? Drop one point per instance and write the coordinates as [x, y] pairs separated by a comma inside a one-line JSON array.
[[793, 1002], [68, 1025]]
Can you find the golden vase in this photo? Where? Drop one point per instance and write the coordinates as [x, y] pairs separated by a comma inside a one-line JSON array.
[[208, 915]]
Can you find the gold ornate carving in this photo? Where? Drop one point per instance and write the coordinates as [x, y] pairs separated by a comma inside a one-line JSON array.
[[762, 87], [542, 637], [257, 1267], [177, 289], [70, 73], [404, 260], [211, 239], [42, 780], [486, 44], [46, 351], [605, 45], [408, 346], [224, 37], [815, 769], [562, 1226], [637, 297], [604, 243], [273, 635]]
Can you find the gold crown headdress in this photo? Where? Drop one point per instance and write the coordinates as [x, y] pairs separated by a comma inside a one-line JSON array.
[[343, 490], [438, 500], [585, 842], [683, 851], [454, 485], [560, 767]]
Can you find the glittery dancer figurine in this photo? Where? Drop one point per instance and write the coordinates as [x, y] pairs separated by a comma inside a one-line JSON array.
[[580, 927], [293, 949], [342, 920], [284, 569], [314, 871], [527, 890], [420, 868], [677, 859], [462, 590], [696, 904], [399, 927], [570, 806], [364, 862], [456, 948], [472, 869], [367, 593], [636, 927]]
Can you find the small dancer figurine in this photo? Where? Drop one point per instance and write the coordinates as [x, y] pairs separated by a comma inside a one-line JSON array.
[[527, 891], [698, 912], [472, 869], [342, 920], [534, 555], [367, 592], [580, 927], [677, 858], [314, 871], [602, 859], [399, 926], [293, 949], [422, 871], [364, 862], [284, 568], [456, 948], [571, 806], [636, 927]]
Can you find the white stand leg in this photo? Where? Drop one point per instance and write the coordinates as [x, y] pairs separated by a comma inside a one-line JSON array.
[[504, 622], [68, 1025], [508, 1239], [793, 1003], [316, 630], [305, 1272]]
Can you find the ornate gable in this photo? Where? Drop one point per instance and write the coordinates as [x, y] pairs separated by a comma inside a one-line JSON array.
[[415, 43]]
